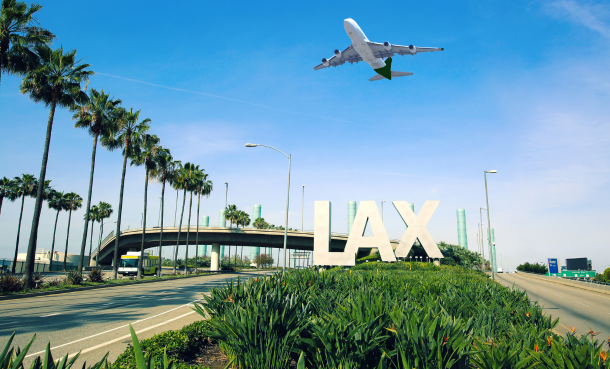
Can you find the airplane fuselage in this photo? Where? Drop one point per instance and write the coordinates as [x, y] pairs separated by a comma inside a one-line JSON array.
[[359, 41]]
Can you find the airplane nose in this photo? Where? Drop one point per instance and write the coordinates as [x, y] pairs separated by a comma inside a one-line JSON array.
[[348, 24]]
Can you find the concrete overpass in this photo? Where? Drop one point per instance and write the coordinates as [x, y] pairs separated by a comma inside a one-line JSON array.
[[131, 240]]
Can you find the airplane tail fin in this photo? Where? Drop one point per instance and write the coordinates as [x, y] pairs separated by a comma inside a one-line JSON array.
[[393, 73]]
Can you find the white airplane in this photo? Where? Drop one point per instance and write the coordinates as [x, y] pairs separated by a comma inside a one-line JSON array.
[[372, 53]]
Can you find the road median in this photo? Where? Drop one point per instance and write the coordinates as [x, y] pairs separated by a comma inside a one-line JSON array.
[[570, 283]]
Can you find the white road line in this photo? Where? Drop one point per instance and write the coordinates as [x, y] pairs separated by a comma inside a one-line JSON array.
[[581, 303], [44, 316], [558, 295], [129, 335], [114, 329]]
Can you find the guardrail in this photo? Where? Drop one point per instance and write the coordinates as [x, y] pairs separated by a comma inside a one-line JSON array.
[[602, 288]]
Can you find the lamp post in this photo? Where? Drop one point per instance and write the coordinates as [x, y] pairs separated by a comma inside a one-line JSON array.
[[287, 196], [141, 219], [301, 262], [97, 255], [382, 201], [482, 238], [491, 256], [159, 217]]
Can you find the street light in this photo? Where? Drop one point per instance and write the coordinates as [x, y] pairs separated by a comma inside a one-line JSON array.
[[287, 196], [482, 237], [302, 215], [226, 196], [382, 201], [141, 219], [491, 256], [97, 255]]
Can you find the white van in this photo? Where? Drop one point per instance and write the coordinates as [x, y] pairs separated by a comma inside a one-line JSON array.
[[500, 270]]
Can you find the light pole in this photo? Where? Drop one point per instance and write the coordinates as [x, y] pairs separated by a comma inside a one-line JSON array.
[[226, 195], [491, 256], [302, 216], [382, 201], [482, 237], [287, 196], [159, 217], [97, 256], [141, 219]]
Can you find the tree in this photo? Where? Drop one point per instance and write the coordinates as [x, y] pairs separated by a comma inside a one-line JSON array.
[[243, 219], [194, 175], [6, 190], [93, 215], [19, 32], [104, 212], [178, 183], [264, 260], [260, 223], [127, 134], [163, 172], [203, 188], [73, 202], [22, 186], [55, 82], [56, 202], [96, 115], [145, 156]]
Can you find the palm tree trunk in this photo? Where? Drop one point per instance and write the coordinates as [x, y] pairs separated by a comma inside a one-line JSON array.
[[31, 253], [161, 235], [188, 230], [84, 243], [53, 243], [197, 237], [118, 220], [91, 243], [241, 257], [1, 201], [179, 230], [99, 244], [140, 270], [67, 239], [18, 232]]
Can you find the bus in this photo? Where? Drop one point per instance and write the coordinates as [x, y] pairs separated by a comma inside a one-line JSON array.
[[131, 261]]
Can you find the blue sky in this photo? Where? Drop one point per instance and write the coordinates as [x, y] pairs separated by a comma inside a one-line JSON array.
[[522, 87]]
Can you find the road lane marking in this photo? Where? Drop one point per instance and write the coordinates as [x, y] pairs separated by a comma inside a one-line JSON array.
[[114, 329], [129, 335], [581, 303], [44, 316], [558, 295]]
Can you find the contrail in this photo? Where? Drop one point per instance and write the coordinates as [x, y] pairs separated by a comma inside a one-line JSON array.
[[265, 106]]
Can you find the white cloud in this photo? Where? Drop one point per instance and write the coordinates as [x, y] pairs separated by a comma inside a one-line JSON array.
[[592, 16]]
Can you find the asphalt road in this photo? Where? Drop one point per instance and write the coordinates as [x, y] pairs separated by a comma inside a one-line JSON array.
[[96, 321], [578, 308]]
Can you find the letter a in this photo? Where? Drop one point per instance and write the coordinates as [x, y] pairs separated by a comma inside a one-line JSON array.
[[368, 212], [417, 229]]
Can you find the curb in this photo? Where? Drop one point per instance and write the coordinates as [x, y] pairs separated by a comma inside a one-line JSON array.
[[562, 282], [69, 290]]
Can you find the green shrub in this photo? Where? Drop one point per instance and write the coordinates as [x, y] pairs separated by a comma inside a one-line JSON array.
[[73, 277], [96, 275], [533, 268], [607, 274], [10, 283]]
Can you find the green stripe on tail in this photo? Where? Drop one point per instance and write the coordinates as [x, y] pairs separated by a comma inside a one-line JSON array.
[[387, 70]]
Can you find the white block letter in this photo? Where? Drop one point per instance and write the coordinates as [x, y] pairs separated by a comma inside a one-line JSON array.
[[417, 229]]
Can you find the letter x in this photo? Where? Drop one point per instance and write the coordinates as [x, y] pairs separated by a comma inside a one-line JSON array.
[[416, 229]]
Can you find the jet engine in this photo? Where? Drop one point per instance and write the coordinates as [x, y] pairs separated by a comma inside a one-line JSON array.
[[325, 62], [338, 54], [387, 46], [412, 49]]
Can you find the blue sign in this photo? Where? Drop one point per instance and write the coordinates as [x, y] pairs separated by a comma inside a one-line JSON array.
[[553, 266]]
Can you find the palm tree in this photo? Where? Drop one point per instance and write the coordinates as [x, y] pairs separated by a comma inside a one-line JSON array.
[[55, 81], [56, 202], [145, 156], [194, 174], [204, 187], [104, 212], [163, 172], [92, 214], [96, 115], [243, 219], [19, 31], [73, 202], [22, 186], [6, 190], [127, 134], [179, 183]]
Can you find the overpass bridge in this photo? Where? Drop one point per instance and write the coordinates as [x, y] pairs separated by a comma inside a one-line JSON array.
[[131, 240]]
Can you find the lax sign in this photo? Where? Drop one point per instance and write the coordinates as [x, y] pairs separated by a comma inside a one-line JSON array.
[[368, 212]]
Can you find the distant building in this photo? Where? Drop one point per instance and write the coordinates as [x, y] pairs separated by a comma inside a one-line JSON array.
[[43, 256]]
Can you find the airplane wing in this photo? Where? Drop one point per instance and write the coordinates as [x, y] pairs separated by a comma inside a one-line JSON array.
[[381, 52], [349, 55]]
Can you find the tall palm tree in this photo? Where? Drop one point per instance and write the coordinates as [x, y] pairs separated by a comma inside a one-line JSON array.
[[243, 219], [96, 115], [73, 202], [163, 172], [19, 32], [179, 183], [55, 81], [145, 156], [6, 190], [22, 186], [56, 202], [127, 134], [92, 214], [104, 212], [194, 175], [203, 188]]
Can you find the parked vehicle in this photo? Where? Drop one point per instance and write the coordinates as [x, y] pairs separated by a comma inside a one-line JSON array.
[[500, 270]]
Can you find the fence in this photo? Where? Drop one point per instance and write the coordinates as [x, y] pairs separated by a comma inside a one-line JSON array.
[[58, 266]]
